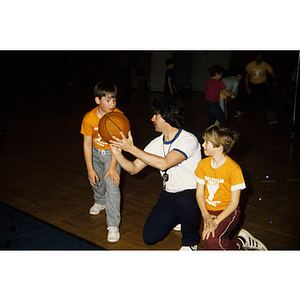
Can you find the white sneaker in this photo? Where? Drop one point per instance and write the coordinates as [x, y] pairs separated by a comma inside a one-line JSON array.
[[96, 208], [113, 234], [251, 243], [238, 114], [177, 227], [189, 248]]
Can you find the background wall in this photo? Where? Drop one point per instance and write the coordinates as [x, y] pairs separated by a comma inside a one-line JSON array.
[[191, 68]]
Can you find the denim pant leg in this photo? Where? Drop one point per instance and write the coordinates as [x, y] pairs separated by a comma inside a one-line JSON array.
[[99, 190], [105, 192], [223, 105], [215, 112], [263, 91]]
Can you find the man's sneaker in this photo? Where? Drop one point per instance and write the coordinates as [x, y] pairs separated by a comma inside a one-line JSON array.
[[250, 242], [238, 114], [273, 122], [96, 208], [189, 248], [113, 234], [177, 228]]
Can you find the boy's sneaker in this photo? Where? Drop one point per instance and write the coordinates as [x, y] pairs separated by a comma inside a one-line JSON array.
[[189, 248], [250, 242], [238, 114], [96, 208], [177, 227], [113, 234]]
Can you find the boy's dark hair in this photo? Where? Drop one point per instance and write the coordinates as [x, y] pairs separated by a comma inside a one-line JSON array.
[[214, 70], [103, 88], [221, 135], [169, 61], [170, 109]]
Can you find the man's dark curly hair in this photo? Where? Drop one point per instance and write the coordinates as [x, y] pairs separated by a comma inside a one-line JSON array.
[[170, 109]]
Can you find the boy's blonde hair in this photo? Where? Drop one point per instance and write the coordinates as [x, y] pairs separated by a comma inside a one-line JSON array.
[[221, 135]]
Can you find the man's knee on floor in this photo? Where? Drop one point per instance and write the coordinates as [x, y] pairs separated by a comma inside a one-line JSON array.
[[151, 237]]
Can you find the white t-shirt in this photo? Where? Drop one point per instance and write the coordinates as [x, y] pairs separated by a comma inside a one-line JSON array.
[[181, 176]]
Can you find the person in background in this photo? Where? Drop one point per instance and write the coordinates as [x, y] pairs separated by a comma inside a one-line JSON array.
[[232, 83], [170, 85], [256, 83], [213, 87]]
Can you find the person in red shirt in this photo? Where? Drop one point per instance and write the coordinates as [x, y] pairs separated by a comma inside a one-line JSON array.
[[213, 87]]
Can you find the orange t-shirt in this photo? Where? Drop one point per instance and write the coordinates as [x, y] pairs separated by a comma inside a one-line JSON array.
[[219, 182], [89, 127]]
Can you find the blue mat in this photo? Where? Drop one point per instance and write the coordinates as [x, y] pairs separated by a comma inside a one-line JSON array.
[[21, 231]]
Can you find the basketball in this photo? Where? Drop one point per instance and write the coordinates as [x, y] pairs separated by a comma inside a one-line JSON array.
[[111, 124], [271, 115]]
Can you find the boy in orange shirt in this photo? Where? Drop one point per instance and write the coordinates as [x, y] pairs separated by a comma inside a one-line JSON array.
[[102, 167], [219, 184]]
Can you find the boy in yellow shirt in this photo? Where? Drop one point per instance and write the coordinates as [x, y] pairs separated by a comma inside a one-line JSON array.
[[102, 167], [219, 184]]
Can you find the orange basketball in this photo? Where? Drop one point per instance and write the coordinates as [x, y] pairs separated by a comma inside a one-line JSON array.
[[111, 124]]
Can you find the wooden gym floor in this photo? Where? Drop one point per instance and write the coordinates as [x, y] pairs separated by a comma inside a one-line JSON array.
[[43, 171]]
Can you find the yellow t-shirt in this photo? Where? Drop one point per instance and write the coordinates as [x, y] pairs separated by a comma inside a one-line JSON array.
[[89, 127], [258, 73], [219, 182]]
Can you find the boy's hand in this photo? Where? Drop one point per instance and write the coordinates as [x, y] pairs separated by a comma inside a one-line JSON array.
[[210, 225], [114, 175], [92, 177]]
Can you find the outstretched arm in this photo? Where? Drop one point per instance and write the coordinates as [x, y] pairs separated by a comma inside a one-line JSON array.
[[162, 163], [132, 167]]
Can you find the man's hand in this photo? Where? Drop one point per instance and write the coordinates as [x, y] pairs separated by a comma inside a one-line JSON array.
[[125, 144]]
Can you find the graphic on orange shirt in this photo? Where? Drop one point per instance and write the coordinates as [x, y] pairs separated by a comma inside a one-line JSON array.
[[212, 186], [98, 139]]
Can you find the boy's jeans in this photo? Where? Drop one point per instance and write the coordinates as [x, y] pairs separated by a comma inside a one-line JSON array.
[[215, 112], [106, 193]]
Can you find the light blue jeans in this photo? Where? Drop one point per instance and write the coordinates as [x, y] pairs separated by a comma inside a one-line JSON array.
[[105, 193]]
